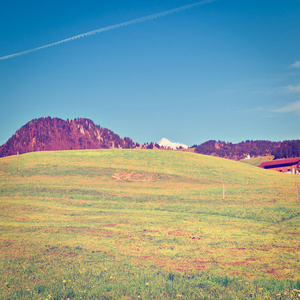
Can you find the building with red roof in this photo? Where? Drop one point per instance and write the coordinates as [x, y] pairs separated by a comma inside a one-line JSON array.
[[288, 165]]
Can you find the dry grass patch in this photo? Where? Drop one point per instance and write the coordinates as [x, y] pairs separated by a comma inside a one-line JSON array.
[[129, 175]]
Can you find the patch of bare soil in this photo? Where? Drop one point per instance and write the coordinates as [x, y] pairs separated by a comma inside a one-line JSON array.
[[129, 175]]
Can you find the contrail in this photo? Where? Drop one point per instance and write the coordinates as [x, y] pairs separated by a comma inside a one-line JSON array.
[[103, 29]]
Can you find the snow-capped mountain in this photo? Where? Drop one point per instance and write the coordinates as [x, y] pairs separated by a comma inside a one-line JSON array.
[[168, 144]]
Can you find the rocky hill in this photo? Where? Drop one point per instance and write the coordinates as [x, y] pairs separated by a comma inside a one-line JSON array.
[[56, 134]]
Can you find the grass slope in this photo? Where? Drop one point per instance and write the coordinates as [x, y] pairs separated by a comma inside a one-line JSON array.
[[256, 161], [145, 224]]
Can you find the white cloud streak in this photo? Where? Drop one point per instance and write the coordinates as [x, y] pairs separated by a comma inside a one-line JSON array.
[[108, 28], [290, 108], [294, 88], [296, 65]]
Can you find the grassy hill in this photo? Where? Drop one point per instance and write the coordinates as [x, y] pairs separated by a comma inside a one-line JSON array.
[[256, 161], [146, 224]]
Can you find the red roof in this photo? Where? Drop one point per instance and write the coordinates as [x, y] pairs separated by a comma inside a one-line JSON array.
[[278, 162]]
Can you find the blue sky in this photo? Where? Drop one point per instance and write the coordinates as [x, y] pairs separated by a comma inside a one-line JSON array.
[[225, 70]]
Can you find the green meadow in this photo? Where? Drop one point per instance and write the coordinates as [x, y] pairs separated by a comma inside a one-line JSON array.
[[146, 224], [256, 161]]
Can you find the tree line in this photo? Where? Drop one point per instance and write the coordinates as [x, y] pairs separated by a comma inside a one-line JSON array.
[[285, 149]]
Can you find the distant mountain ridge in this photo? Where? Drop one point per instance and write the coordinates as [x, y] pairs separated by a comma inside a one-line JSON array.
[[46, 134], [171, 145], [285, 149], [56, 134]]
